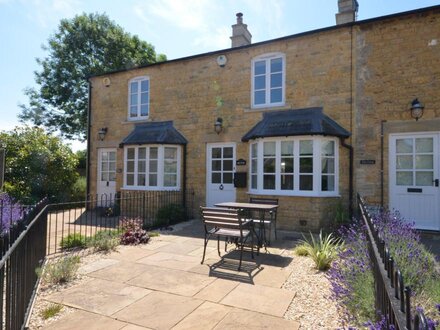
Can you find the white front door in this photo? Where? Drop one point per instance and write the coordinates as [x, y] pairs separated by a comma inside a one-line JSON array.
[[106, 187], [414, 178], [220, 173]]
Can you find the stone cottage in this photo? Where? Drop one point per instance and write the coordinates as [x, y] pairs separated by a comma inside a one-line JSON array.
[[311, 119]]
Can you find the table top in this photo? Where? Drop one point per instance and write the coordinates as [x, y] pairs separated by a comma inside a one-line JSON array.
[[253, 206]]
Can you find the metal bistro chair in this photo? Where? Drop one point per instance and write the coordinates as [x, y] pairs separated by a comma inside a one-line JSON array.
[[273, 213], [228, 224]]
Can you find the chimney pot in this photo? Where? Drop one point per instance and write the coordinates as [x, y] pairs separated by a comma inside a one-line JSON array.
[[239, 18]]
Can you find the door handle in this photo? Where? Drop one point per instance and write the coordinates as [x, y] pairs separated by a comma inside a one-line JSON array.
[[436, 182], [107, 183], [221, 187]]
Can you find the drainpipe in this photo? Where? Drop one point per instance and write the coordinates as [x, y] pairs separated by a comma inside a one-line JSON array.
[[184, 177], [89, 111], [350, 178], [381, 162]]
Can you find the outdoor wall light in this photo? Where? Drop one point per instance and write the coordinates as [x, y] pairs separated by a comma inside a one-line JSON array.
[[416, 109], [101, 133], [218, 126]]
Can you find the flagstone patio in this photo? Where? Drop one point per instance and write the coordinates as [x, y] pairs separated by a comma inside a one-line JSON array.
[[162, 285]]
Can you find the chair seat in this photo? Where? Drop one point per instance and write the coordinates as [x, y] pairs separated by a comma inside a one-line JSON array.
[[229, 232]]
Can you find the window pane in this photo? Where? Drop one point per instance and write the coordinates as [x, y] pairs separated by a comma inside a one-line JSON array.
[[404, 145], [104, 156], [216, 165], [134, 87], [260, 97], [276, 65], [260, 82], [133, 99], [404, 178], [254, 181], [424, 145], [170, 180], [287, 148], [306, 165], [142, 153], [306, 148], [328, 165], [153, 166], [112, 176], [260, 67], [254, 150], [269, 182], [328, 183], [130, 179], [133, 111], [153, 153], [227, 178], [269, 149], [216, 178], [170, 166], [227, 152], [275, 80], [141, 180], [287, 182], [404, 162], [286, 165], [104, 176], [152, 180], [171, 153], [306, 182], [254, 166], [276, 95], [144, 98], [130, 153], [269, 165], [227, 165], [112, 166], [112, 155], [145, 85], [130, 166], [141, 166], [328, 148], [104, 166], [144, 110], [424, 162], [424, 178], [216, 152]]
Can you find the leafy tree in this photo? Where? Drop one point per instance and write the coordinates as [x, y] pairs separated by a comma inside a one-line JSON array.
[[37, 165], [86, 45]]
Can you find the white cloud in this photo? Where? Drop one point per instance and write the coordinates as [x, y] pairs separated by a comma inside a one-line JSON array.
[[47, 12], [219, 38], [270, 16]]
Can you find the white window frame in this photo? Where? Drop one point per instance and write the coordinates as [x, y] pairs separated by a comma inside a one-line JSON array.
[[138, 80], [267, 58], [317, 167], [160, 167]]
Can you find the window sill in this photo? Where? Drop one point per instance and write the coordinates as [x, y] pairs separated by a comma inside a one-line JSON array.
[[136, 120], [279, 106], [294, 194]]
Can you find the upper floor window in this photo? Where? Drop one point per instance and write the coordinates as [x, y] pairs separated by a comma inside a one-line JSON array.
[[138, 98], [268, 80]]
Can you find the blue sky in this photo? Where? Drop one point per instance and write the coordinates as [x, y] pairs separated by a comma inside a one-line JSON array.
[[176, 28]]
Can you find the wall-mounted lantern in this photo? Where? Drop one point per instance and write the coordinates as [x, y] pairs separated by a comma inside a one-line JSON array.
[[416, 109], [218, 126], [101, 133]]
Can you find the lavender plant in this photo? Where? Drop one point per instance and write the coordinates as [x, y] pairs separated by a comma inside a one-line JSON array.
[[10, 213]]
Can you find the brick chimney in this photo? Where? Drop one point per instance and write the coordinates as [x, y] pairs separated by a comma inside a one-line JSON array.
[[240, 34], [347, 11]]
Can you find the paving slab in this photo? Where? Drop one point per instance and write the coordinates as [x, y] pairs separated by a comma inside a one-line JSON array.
[[84, 320], [120, 272], [259, 298], [179, 248], [97, 265], [129, 253], [99, 296], [154, 245], [247, 320], [171, 280], [271, 276], [217, 290], [205, 317], [158, 310], [135, 327], [170, 260]]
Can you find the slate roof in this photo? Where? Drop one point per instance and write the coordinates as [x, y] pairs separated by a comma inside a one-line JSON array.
[[155, 132], [309, 121]]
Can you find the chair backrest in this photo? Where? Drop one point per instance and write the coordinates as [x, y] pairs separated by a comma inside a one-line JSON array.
[[222, 217], [263, 200]]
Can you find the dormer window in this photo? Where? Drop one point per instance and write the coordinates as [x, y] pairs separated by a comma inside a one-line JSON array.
[[139, 98], [268, 80]]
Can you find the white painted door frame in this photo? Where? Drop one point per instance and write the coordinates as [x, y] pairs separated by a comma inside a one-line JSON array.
[[106, 176]]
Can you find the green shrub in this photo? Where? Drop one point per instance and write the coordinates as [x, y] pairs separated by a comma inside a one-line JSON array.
[[78, 191], [323, 251], [51, 311], [73, 241], [59, 271], [301, 250], [105, 240], [170, 214]]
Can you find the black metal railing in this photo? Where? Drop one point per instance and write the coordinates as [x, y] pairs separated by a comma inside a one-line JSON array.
[[23, 250], [393, 298], [105, 212]]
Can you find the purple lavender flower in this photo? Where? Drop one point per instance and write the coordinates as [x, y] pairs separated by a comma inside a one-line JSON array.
[[10, 213]]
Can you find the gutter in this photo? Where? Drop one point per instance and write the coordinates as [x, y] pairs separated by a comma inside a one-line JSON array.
[[89, 111], [184, 177], [381, 162], [350, 178]]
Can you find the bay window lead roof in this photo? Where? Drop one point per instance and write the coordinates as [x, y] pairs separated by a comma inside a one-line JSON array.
[[308, 121], [155, 132]]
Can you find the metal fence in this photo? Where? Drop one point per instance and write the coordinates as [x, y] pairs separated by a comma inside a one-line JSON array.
[[23, 250], [100, 213], [393, 298]]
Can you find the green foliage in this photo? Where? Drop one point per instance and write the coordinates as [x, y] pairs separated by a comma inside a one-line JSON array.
[[81, 156], [37, 165], [79, 189], [301, 250], [362, 302], [59, 271], [73, 241], [51, 311], [170, 214], [86, 45], [105, 240], [323, 251]]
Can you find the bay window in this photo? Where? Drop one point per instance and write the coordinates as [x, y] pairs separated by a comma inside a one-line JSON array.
[[296, 166], [152, 167]]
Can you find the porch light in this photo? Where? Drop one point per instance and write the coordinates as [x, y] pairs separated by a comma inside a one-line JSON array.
[[218, 126], [417, 109], [101, 133]]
